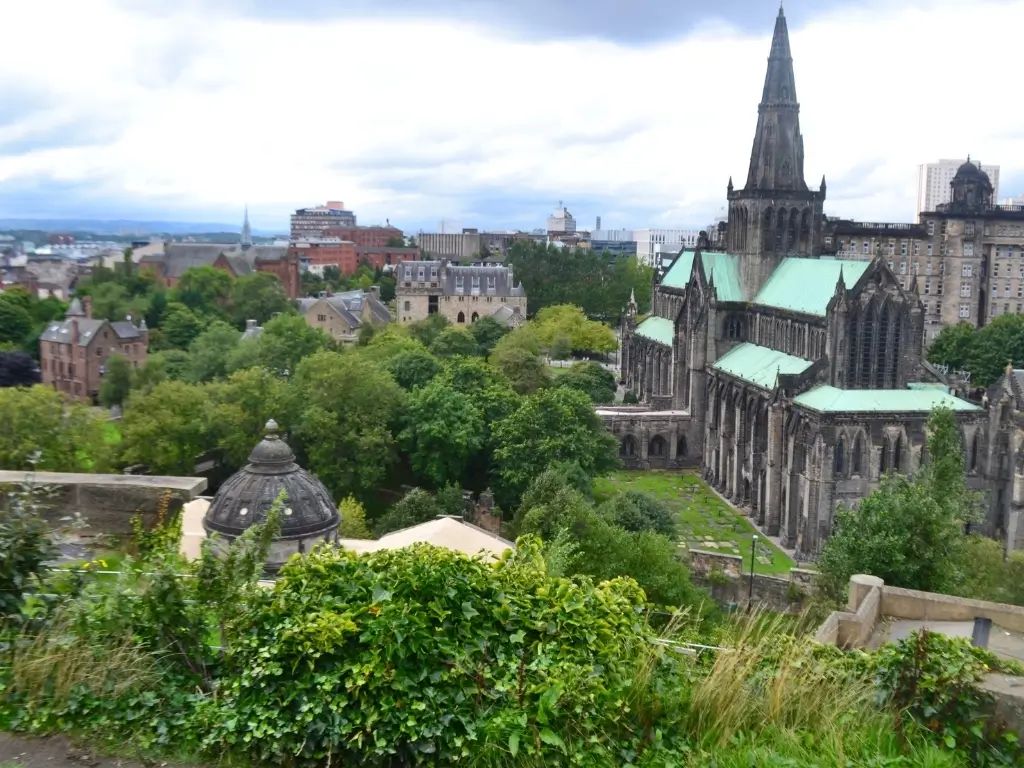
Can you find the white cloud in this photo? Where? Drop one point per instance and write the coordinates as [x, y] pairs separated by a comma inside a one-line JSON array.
[[414, 121]]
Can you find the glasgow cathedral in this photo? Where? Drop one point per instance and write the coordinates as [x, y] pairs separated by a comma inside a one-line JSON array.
[[794, 380]]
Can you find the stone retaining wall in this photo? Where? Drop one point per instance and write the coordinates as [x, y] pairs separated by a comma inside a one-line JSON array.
[[723, 575], [106, 502]]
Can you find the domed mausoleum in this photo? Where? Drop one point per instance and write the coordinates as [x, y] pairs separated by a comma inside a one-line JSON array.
[[309, 517]]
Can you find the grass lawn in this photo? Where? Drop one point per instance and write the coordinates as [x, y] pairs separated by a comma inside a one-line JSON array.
[[707, 522]]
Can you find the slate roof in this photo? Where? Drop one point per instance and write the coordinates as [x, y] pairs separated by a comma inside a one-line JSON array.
[[178, 257], [760, 365], [349, 305], [657, 329], [807, 285], [448, 274], [827, 399], [507, 316], [88, 327]]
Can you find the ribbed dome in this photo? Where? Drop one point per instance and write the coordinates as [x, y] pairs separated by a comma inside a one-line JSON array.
[[971, 172], [246, 497]]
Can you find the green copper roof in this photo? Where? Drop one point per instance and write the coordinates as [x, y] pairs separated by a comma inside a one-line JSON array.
[[807, 285], [928, 385], [831, 400], [759, 365], [722, 268], [657, 329]]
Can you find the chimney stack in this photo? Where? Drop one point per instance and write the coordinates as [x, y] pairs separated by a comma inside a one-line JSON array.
[[87, 306]]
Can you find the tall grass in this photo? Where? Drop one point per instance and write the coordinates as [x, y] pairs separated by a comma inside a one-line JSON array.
[[56, 663], [769, 695]]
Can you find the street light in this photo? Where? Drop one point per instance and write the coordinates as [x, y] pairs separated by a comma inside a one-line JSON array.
[[750, 588]]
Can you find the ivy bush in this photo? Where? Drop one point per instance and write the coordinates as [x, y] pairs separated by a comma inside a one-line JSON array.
[[423, 655]]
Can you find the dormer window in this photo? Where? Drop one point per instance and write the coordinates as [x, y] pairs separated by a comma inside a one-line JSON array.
[[459, 284], [422, 274], [476, 284], [433, 273], [491, 284]]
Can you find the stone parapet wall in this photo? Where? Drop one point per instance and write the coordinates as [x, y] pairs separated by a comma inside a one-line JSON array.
[[106, 502], [723, 576]]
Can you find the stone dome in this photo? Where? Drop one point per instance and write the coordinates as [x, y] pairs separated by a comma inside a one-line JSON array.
[[245, 498], [971, 172]]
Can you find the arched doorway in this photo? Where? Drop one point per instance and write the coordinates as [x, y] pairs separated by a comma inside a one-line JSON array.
[[474, 317], [461, 318], [681, 448]]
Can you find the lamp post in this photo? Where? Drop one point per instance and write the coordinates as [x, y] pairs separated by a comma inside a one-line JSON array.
[[750, 583]]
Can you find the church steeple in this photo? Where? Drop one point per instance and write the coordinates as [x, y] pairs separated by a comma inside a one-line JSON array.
[[246, 239], [777, 157]]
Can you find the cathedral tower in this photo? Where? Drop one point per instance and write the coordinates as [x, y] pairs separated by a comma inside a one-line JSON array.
[[775, 214]]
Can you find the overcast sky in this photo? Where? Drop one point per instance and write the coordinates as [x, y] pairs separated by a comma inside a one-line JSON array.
[[486, 112]]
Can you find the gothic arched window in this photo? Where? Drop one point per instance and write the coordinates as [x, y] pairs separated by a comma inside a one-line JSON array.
[[681, 447], [975, 445], [734, 327], [656, 446], [858, 448], [897, 454], [628, 447], [461, 317], [883, 457], [840, 456]]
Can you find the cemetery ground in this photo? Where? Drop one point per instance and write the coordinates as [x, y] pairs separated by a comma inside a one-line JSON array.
[[706, 522]]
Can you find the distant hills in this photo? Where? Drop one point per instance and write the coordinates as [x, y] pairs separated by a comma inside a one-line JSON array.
[[127, 227]]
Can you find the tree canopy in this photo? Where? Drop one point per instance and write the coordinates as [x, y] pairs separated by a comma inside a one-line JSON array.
[[983, 351]]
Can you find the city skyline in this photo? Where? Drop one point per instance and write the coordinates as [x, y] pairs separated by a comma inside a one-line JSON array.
[[166, 115]]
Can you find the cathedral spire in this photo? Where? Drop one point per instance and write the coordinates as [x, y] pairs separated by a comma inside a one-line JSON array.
[[246, 239], [777, 157]]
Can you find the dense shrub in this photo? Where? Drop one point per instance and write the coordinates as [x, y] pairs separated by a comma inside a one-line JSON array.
[[424, 655]]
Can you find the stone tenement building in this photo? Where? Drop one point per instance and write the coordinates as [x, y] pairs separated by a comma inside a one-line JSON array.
[[239, 259], [967, 257], [794, 380], [73, 354], [342, 314], [462, 294]]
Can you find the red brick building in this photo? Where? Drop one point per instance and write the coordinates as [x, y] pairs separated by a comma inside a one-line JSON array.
[[373, 237], [348, 256], [73, 354], [380, 256]]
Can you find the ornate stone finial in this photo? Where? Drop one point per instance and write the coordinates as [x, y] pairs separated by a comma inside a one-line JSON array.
[[271, 429]]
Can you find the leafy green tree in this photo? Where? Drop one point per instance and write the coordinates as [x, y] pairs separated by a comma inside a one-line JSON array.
[[243, 404], [995, 344], [117, 381], [259, 296], [952, 346], [210, 353], [417, 506], [388, 343], [288, 339], [908, 532], [524, 337], [525, 372], [566, 320], [168, 428], [443, 431], [637, 512], [353, 520], [17, 369], [347, 407], [428, 329], [552, 426], [181, 326], [388, 286], [487, 331], [110, 301], [469, 375], [366, 333], [40, 431], [153, 371], [412, 369], [593, 378], [561, 346], [453, 342], [205, 290], [15, 321]]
